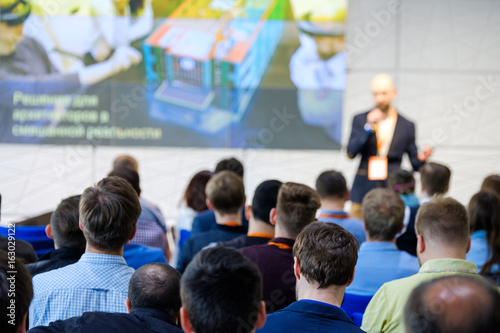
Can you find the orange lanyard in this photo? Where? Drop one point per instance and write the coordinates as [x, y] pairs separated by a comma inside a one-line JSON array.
[[260, 234], [232, 224], [336, 216], [281, 245]]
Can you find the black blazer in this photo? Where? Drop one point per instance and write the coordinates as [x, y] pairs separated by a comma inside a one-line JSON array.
[[364, 143]]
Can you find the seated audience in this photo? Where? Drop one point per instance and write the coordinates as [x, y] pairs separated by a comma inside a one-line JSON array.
[[296, 207], [403, 183], [151, 230], [69, 241], [16, 293], [484, 215], [221, 291], [453, 304], [205, 221], [491, 184], [260, 228], [332, 188], [442, 227], [379, 260], [435, 180], [153, 305], [99, 280], [225, 195], [324, 261]]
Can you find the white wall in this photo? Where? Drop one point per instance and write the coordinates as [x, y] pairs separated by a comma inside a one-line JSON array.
[[440, 52]]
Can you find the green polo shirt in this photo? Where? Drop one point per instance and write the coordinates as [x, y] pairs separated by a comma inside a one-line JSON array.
[[385, 312]]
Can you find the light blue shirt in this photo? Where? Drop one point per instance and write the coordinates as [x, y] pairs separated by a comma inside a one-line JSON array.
[[378, 263], [97, 282], [480, 251], [354, 225]]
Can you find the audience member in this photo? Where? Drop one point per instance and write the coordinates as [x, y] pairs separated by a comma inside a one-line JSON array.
[[296, 207], [325, 257], [151, 230], [69, 241], [491, 184], [221, 291], [24, 250], [453, 304], [442, 227], [379, 260], [153, 305], [260, 228], [484, 215], [16, 293], [99, 280], [205, 221], [226, 196], [435, 180], [403, 183], [332, 188]]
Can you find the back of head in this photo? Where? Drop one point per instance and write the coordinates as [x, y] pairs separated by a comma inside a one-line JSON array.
[[453, 304], [226, 192], [195, 192], [16, 292], [444, 222], [327, 254], [221, 291], [126, 161], [331, 184], [131, 176], [435, 178], [402, 182], [264, 199], [484, 214], [65, 224], [156, 286], [109, 213], [491, 184], [230, 164], [383, 213], [296, 207], [14, 12]]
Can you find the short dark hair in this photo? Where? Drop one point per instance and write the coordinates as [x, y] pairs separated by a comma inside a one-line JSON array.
[[491, 184], [296, 207], [444, 221], [221, 290], [327, 254], [331, 184], [156, 286], [126, 161], [230, 164], [129, 175], [195, 192], [15, 294], [226, 192], [435, 177], [402, 182], [65, 224], [453, 304], [109, 213], [383, 213], [264, 199]]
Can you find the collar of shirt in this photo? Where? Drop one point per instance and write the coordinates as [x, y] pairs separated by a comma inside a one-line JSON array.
[[448, 265], [63, 253], [155, 313], [378, 246], [237, 228], [479, 235], [287, 243], [339, 214], [320, 308], [102, 259]]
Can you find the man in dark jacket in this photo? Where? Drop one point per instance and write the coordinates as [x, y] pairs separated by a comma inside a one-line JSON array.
[[153, 304]]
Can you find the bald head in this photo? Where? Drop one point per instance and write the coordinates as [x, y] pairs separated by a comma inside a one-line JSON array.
[[453, 304], [383, 91]]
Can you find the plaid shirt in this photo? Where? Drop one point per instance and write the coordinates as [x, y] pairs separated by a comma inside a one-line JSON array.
[[97, 282], [151, 230]]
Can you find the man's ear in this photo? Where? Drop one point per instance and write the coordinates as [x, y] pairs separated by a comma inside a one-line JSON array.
[[48, 231], [22, 327], [272, 216], [80, 225], [420, 244], [468, 245], [133, 233], [248, 212], [127, 305], [185, 323], [352, 277], [209, 204], [296, 268], [261, 316]]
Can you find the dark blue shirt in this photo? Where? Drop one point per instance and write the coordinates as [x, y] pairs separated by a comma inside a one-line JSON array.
[[310, 316], [205, 221]]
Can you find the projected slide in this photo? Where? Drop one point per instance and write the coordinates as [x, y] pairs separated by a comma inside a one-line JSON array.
[[179, 73]]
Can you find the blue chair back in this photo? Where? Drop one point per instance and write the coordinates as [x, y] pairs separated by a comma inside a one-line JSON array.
[[355, 303], [35, 235]]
